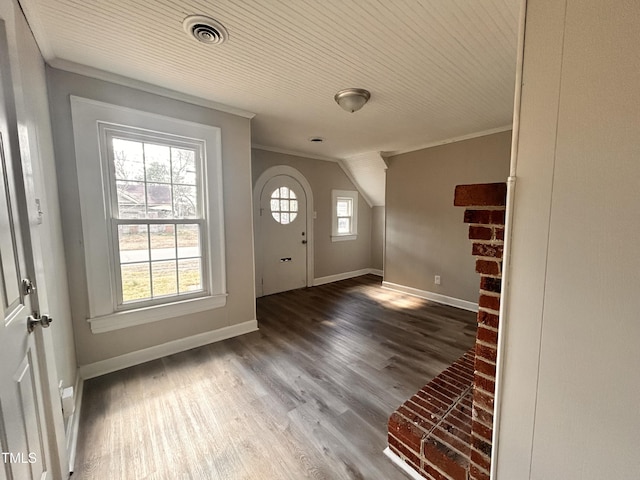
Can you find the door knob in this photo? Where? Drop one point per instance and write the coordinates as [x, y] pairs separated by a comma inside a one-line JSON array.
[[304, 242], [34, 320]]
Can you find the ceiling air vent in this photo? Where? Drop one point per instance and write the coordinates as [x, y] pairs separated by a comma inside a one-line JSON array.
[[205, 29]]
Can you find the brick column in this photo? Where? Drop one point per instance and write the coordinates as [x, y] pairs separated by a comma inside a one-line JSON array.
[[486, 217], [444, 431], [431, 432]]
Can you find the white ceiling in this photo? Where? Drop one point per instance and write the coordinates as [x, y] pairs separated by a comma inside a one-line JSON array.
[[436, 69]]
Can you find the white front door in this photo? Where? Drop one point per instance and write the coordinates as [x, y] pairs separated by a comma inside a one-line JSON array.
[[283, 217], [26, 451]]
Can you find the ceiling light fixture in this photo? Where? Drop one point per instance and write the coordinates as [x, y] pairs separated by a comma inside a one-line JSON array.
[[352, 99], [205, 29]]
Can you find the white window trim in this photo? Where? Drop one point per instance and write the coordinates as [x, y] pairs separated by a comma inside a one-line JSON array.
[[109, 131], [99, 262], [154, 313], [335, 195]]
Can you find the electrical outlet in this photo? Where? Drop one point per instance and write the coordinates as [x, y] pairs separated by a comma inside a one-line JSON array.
[[436, 280]]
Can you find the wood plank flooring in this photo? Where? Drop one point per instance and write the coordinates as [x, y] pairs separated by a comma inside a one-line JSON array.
[[306, 397]]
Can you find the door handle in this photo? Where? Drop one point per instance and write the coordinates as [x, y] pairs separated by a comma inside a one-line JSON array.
[[34, 320], [304, 242]]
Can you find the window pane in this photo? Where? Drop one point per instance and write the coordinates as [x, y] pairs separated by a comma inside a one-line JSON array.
[[292, 194], [131, 200], [275, 205], [136, 284], [159, 200], [284, 192], [293, 205], [185, 201], [276, 216], [284, 205], [284, 218], [344, 225], [157, 163], [163, 242], [188, 241], [127, 159], [343, 207], [189, 275], [133, 243], [164, 278], [183, 163], [276, 193]]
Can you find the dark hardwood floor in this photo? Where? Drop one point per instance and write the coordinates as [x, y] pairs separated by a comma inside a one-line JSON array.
[[308, 396]]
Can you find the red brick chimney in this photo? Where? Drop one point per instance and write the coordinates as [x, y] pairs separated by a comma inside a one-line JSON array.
[[444, 432]]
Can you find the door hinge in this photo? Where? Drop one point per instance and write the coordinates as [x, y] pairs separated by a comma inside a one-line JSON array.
[[27, 287]]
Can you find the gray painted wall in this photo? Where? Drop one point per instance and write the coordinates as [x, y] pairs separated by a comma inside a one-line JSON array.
[[236, 166], [29, 84], [377, 237], [425, 233], [330, 258]]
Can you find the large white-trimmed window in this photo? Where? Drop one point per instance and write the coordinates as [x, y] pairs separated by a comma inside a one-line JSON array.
[[345, 215], [157, 217], [151, 204]]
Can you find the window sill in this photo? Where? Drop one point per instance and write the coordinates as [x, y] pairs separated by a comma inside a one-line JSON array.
[[141, 316], [342, 238]]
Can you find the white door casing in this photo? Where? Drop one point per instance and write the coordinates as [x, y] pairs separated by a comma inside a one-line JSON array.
[[284, 236], [30, 425], [283, 252]]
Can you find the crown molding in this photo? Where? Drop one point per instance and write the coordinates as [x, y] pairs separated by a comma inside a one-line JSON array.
[[437, 143], [294, 153], [98, 74]]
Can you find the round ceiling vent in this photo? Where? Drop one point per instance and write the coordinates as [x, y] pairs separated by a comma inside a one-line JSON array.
[[205, 29]]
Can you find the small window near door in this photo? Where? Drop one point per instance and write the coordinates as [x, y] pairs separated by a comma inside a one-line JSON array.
[[345, 210], [284, 205]]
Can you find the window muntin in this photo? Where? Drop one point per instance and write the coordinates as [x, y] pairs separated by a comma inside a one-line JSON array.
[[284, 205], [157, 218], [344, 215], [91, 119]]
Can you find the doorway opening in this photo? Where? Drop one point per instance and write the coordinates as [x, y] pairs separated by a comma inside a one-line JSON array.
[[283, 229]]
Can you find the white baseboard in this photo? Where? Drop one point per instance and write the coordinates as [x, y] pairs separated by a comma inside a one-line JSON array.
[[375, 271], [434, 297], [158, 351], [73, 422], [345, 275], [397, 461]]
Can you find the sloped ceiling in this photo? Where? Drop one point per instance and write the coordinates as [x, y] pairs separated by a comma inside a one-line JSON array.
[[436, 69], [368, 171]]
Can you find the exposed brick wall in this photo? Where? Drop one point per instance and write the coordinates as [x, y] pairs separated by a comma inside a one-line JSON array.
[[486, 216], [431, 431], [444, 432]]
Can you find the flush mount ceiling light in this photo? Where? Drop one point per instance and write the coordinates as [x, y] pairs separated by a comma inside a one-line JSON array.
[[352, 99], [205, 29]]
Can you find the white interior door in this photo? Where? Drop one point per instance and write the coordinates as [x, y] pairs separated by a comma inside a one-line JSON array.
[[26, 452], [283, 217]]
